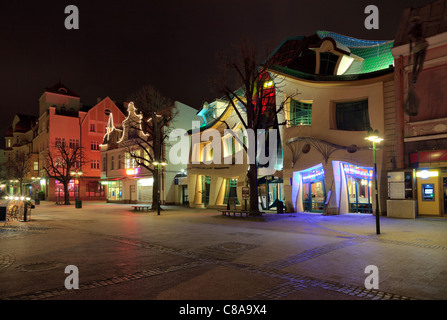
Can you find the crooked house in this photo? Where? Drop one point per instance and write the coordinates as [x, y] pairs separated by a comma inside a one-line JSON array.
[[334, 89], [218, 162], [341, 88]]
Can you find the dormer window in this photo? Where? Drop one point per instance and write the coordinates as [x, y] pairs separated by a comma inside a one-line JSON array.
[[328, 62]]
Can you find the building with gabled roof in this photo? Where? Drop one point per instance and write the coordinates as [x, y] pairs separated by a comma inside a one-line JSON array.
[[126, 181], [63, 119]]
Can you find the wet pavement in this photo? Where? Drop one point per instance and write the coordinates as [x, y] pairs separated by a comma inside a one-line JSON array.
[[198, 254]]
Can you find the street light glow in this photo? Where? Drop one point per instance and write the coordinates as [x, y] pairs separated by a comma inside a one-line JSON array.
[[373, 136]]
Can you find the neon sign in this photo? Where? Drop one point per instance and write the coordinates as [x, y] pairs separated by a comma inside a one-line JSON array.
[[357, 171], [312, 175], [132, 171]]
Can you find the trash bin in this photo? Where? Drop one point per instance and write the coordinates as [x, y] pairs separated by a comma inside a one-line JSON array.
[[280, 207], [78, 203]]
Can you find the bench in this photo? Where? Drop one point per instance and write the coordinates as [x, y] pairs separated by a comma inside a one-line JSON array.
[[12, 214], [140, 208], [234, 212], [231, 209]]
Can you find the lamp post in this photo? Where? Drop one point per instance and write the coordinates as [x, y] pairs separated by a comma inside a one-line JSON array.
[[373, 136], [77, 174], [159, 164]]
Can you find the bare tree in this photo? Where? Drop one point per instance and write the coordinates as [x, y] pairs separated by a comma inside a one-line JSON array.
[[18, 168], [246, 81], [60, 161], [157, 112]]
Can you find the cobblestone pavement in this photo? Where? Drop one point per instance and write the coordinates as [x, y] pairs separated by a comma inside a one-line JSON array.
[[198, 254]]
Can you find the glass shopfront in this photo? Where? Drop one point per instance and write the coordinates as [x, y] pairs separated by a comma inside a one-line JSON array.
[[314, 189], [114, 191], [358, 184], [73, 190]]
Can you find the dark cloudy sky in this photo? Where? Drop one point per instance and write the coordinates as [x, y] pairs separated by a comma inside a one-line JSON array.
[[171, 44]]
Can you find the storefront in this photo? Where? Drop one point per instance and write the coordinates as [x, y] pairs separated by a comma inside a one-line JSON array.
[[72, 188], [350, 184], [230, 190], [145, 189], [271, 190], [358, 185], [129, 190], [114, 190], [309, 189]]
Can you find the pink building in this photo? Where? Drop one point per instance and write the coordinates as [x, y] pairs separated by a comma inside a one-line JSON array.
[[63, 119]]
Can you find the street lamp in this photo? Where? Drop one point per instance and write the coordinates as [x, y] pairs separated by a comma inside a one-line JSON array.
[[77, 174], [373, 136], [159, 164]]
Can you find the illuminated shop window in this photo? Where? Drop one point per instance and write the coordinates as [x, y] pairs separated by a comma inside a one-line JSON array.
[[314, 189], [358, 184]]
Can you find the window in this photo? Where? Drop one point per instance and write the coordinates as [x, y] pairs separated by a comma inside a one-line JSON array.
[[328, 61], [60, 142], [94, 145], [229, 148], [104, 163], [74, 143], [300, 113], [92, 127], [94, 164], [352, 116], [129, 161], [207, 152], [119, 161], [94, 189], [36, 166], [210, 114], [112, 164]]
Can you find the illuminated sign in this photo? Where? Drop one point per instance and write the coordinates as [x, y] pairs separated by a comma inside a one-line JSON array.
[[424, 174], [312, 175], [360, 172], [132, 171]]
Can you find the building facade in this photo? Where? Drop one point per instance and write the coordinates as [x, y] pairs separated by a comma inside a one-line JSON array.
[[128, 182], [62, 119], [21, 163], [340, 89], [418, 186], [219, 160]]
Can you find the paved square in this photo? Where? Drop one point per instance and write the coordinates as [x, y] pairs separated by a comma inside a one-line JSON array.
[[197, 254]]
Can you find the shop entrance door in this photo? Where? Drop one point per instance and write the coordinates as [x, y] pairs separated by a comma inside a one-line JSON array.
[[314, 196], [206, 184]]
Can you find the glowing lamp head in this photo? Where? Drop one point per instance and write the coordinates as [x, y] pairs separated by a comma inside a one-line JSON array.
[[373, 136]]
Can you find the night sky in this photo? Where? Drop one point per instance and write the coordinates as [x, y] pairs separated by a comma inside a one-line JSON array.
[[122, 45]]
